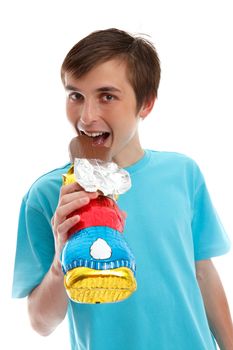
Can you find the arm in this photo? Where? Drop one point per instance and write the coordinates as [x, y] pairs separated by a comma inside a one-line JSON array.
[[47, 303], [216, 304]]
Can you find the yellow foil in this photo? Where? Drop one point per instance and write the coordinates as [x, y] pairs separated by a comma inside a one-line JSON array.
[[85, 285], [69, 178]]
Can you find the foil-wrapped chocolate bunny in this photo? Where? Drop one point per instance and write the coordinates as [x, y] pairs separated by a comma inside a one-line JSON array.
[[97, 262]]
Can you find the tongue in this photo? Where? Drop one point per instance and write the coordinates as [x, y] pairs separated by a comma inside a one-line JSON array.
[[99, 140]]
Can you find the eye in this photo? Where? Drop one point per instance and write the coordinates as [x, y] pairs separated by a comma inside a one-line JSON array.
[[108, 98], [75, 96]]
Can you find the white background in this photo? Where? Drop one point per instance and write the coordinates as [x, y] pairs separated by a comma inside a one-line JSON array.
[[193, 114]]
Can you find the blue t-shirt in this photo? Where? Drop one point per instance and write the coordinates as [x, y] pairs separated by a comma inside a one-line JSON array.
[[171, 223]]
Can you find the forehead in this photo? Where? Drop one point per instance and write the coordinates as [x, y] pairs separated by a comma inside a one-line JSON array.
[[112, 73]]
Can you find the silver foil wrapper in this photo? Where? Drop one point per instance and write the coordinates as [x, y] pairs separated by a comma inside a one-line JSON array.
[[107, 177]]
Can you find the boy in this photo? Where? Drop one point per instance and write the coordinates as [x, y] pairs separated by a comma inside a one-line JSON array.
[[111, 79]]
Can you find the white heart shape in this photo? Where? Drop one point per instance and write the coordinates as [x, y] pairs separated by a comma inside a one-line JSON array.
[[100, 249]]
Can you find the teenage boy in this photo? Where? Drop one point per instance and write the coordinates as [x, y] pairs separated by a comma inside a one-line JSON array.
[[111, 79]]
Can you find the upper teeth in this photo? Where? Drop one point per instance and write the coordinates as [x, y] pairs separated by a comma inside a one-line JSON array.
[[93, 134]]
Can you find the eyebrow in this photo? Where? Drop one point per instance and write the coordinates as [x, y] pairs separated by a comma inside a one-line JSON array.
[[100, 89], [108, 89]]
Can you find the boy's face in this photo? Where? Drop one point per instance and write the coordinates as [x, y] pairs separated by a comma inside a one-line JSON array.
[[101, 105]]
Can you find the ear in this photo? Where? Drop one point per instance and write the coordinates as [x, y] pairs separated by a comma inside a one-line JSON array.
[[146, 108]]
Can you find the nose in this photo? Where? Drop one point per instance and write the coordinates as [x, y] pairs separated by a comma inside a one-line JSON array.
[[89, 113]]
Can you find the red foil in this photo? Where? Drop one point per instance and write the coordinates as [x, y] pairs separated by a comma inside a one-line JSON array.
[[102, 211]]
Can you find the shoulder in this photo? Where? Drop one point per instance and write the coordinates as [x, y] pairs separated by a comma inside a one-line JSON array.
[[52, 175], [172, 159], [46, 188], [176, 165]]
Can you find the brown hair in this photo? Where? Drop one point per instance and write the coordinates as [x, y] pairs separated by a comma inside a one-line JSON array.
[[142, 61]]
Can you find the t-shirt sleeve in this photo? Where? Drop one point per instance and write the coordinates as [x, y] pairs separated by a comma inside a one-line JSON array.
[[34, 250], [209, 236]]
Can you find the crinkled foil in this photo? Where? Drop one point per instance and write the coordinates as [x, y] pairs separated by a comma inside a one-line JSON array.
[[95, 174]]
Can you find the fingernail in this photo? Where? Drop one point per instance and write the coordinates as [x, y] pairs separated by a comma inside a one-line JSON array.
[[95, 194], [84, 200]]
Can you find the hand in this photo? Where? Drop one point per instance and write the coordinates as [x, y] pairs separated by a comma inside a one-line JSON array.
[[72, 197]]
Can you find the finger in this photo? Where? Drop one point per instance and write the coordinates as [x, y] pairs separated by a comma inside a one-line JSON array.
[[70, 188], [63, 211], [124, 214], [66, 198], [63, 228]]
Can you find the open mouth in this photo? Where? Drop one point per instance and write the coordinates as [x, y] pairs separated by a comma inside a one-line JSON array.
[[98, 138]]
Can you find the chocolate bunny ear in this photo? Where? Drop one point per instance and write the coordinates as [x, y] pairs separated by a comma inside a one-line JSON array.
[[80, 147], [73, 149]]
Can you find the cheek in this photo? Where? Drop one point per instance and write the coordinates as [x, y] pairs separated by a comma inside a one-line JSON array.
[[72, 113], [125, 130]]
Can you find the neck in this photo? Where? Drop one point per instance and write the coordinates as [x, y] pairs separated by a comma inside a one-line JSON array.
[[130, 154]]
